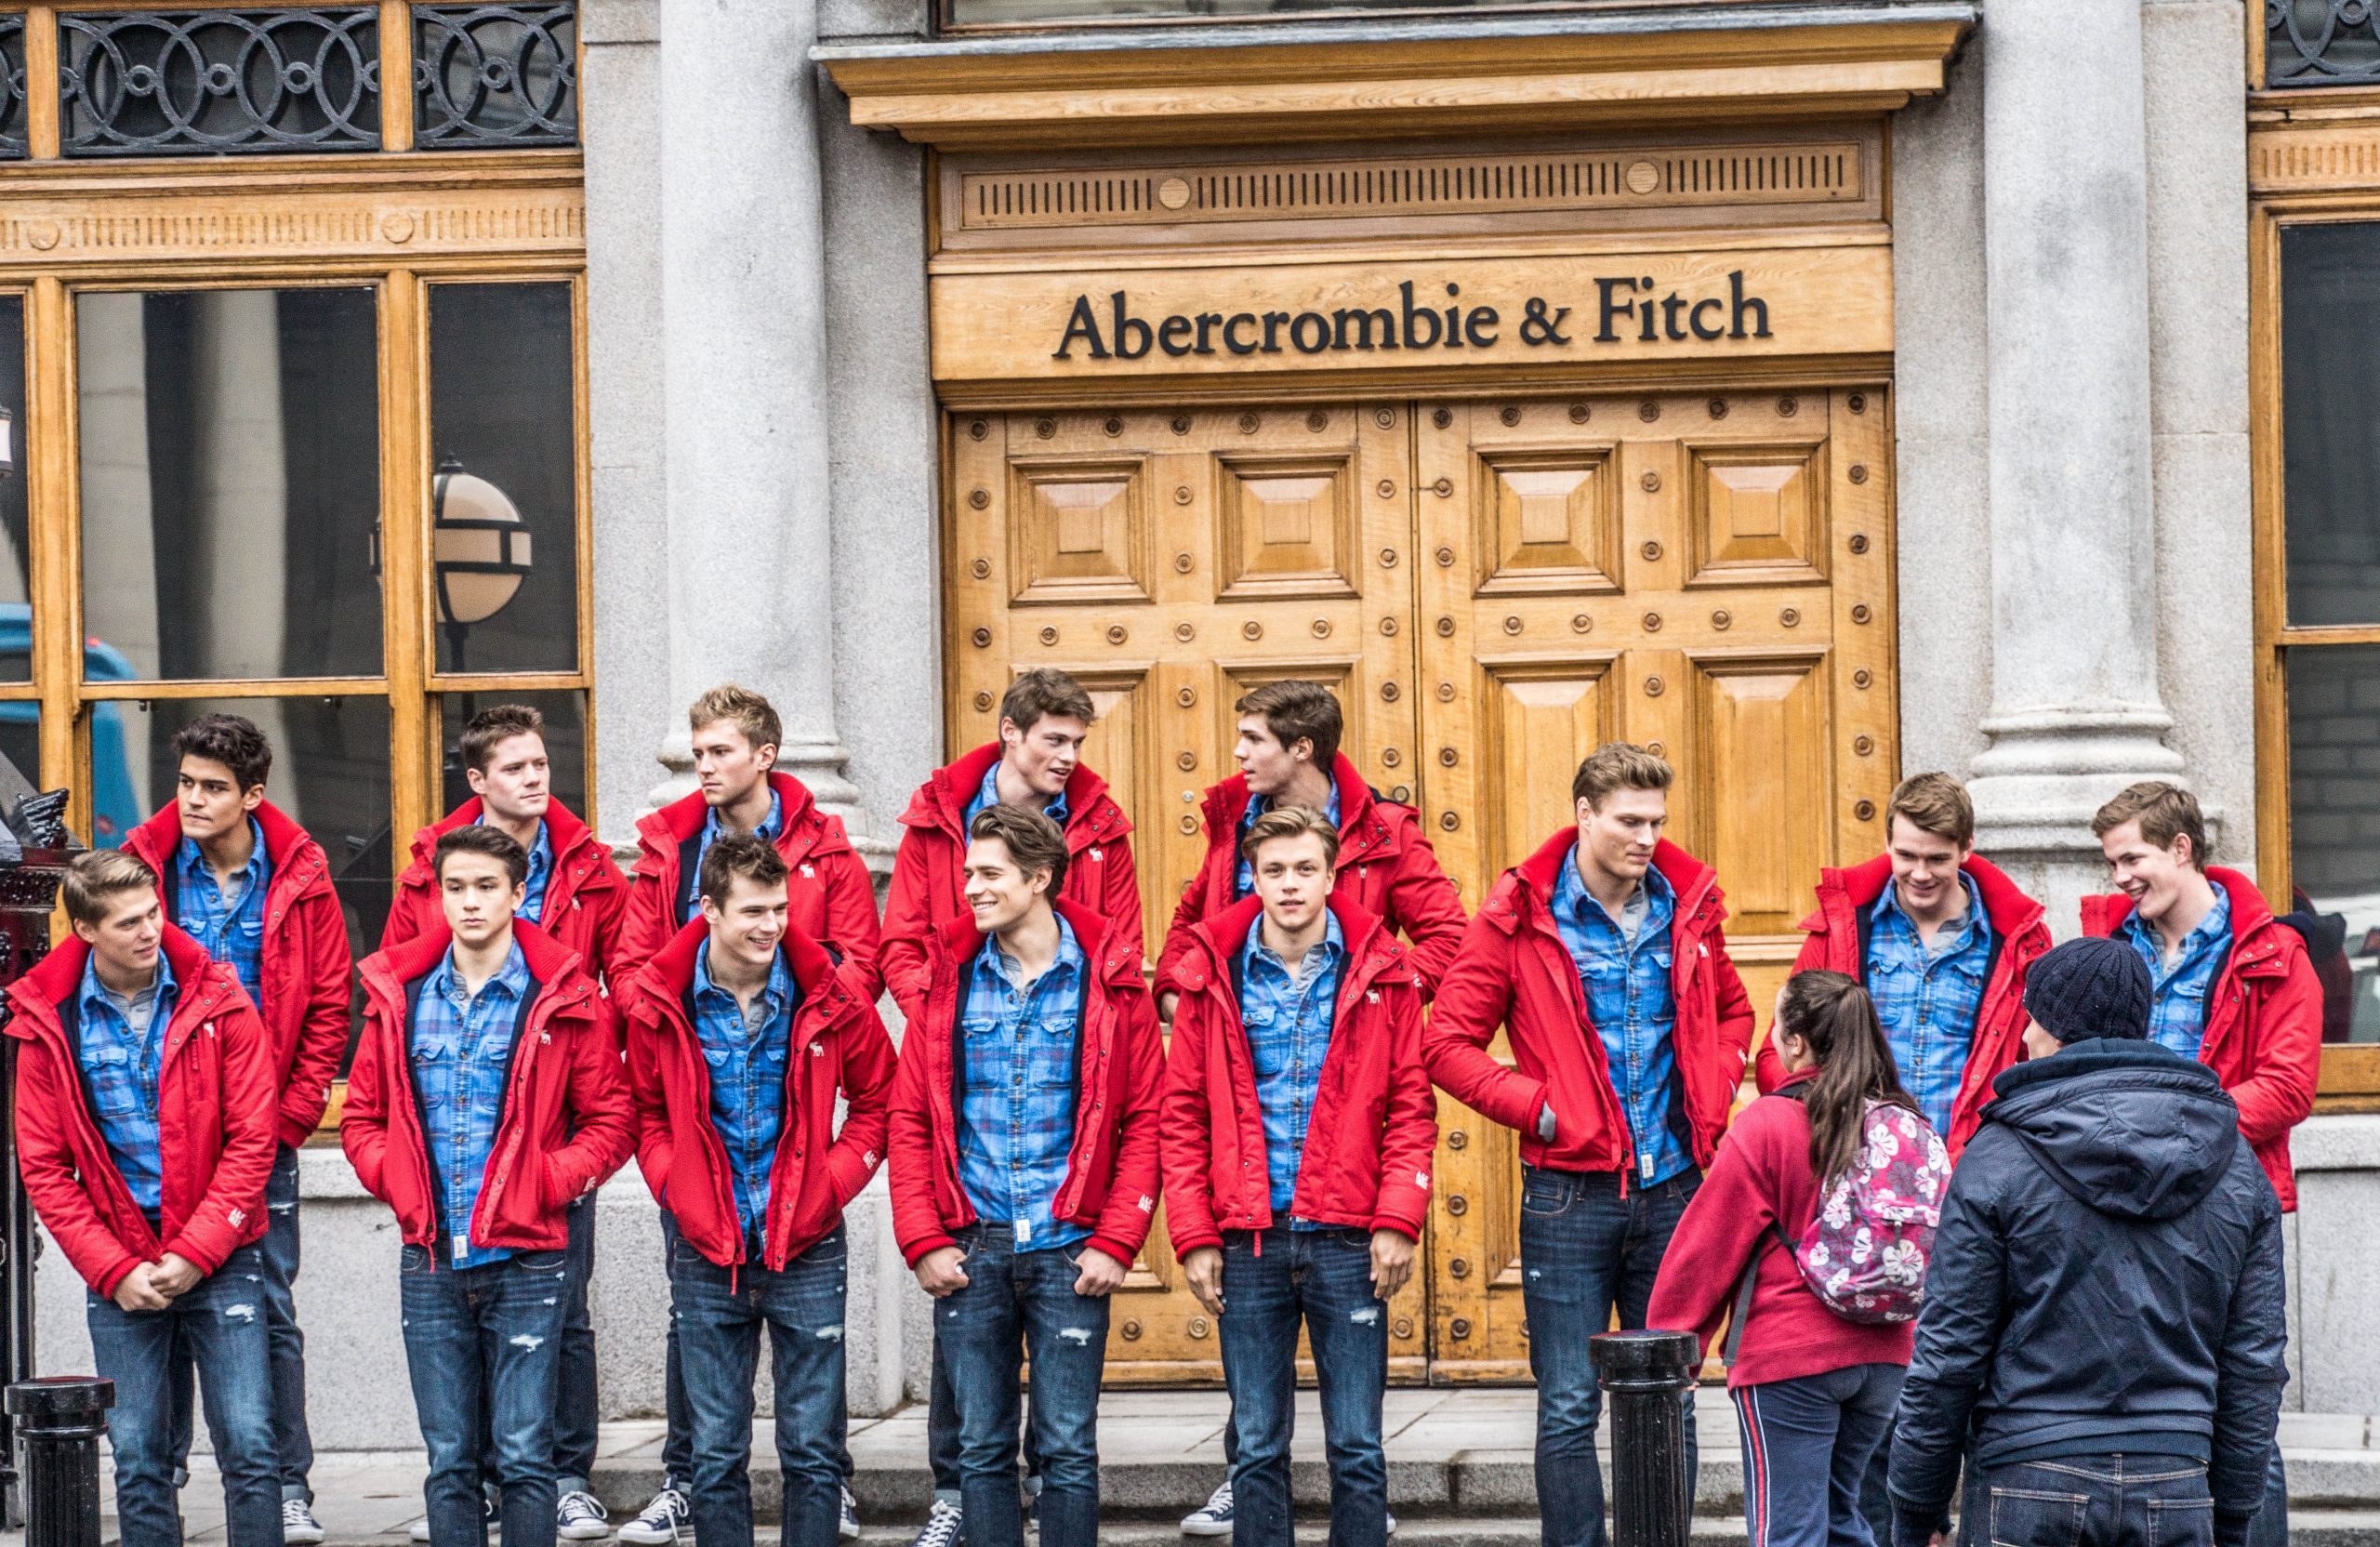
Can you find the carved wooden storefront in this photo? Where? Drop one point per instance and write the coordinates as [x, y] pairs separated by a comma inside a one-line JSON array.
[[1520, 443]]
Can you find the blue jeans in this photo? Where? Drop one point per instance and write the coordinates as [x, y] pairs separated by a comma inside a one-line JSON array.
[[293, 1443], [719, 1314], [576, 1409], [1808, 1442], [2091, 1501], [1015, 1304], [1272, 1284], [942, 1435], [1585, 1252], [485, 1337], [221, 1327]]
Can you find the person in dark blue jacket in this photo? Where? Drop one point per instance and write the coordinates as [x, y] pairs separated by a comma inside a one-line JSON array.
[[2103, 1333]]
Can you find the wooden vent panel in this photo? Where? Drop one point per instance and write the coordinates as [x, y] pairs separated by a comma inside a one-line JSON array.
[[1535, 184]]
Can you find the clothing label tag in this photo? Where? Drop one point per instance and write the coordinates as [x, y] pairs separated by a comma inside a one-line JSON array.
[[1644, 1169], [1024, 1231]]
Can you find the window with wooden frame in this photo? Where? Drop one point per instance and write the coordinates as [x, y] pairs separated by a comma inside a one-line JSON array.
[[295, 366], [2314, 255]]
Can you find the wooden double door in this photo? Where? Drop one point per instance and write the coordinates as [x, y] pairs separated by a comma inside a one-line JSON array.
[[1492, 586]]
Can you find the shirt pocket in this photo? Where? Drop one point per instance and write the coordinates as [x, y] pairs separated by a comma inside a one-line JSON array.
[[114, 1094], [1048, 1049]]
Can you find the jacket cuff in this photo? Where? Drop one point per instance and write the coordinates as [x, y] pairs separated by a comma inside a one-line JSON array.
[[185, 1246], [914, 1252], [115, 1275], [1186, 1244], [1114, 1248], [1400, 1224]]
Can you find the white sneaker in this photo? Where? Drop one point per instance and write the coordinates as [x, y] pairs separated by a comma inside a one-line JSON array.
[[1213, 1517], [848, 1527], [578, 1516], [420, 1532], [1392, 1526], [298, 1527], [660, 1521], [944, 1527]]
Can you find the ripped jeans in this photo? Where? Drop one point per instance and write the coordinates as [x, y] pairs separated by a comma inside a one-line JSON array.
[[719, 1314], [1272, 1283], [221, 1325], [1018, 1304], [485, 1338]]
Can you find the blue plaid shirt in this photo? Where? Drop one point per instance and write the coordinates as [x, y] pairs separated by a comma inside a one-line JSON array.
[[1257, 806], [462, 1049], [541, 871], [1927, 1000], [2177, 1014], [1289, 1034], [231, 932], [713, 830], [120, 1068], [1018, 1119], [1632, 1002], [747, 1058], [988, 794]]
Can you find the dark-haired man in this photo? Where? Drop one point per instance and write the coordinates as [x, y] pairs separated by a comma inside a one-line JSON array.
[[1024, 1167], [253, 890], [577, 895], [741, 1038], [1036, 765], [486, 1095], [2104, 1326]]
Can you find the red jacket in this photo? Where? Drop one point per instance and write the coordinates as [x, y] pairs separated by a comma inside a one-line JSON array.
[[1515, 970], [1119, 1073], [1374, 1125], [586, 895], [2264, 1021], [1762, 1177], [567, 1123], [1838, 934], [926, 881], [1386, 868], [834, 900], [215, 1120], [307, 965], [818, 1171]]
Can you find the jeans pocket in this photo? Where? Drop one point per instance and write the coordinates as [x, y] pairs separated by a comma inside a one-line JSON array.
[[2032, 1517], [540, 1262], [1545, 1196], [2181, 1521], [414, 1259]]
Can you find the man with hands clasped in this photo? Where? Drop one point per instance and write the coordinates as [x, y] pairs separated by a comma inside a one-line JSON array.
[[1024, 1166], [1296, 1134]]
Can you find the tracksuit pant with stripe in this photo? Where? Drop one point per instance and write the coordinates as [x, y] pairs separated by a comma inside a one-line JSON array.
[[1806, 1444]]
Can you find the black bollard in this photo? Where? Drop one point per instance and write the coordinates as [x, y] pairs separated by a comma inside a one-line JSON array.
[[59, 1420], [1644, 1377]]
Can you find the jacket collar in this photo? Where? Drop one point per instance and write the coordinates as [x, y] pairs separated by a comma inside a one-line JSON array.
[[2258, 940], [58, 977], [1226, 804], [683, 818], [1109, 962], [672, 970], [295, 859], [942, 800], [1222, 936], [390, 972], [2006, 904], [1689, 877]]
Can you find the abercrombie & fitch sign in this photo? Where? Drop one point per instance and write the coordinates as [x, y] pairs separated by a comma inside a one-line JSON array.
[[1623, 303], [994, 324]]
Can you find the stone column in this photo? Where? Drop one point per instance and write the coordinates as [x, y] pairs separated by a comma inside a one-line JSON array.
[[743, 381], [2076, 712]]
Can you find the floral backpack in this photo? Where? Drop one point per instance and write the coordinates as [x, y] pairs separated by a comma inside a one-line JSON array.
[[1865, 1254]]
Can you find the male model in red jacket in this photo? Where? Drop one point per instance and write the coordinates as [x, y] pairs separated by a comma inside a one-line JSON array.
[[1297, 1136], [1602, 954], [1036, 764], [1024, 1167], [831, 899], [486, 1095], [2234, 990], [741, 1037], [254, 888], [578, 896], [145, 1115]]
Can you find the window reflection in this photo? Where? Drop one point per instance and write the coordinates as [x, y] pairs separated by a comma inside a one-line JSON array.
[[565, 742], [2334, 828]]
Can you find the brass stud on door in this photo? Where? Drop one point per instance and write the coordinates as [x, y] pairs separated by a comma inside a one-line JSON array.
[[1865, 811], [983, 702], [1788, 407], [1181, 424], [1116, 634], [1384, 418], [1857, 403], [1658, 748], [1446, 628], [1388, 626], [1459, 1328], [1457, 1204], [1858, 472], [1718, 408], [1186, 632], [1403, 1327], [1580, 412], [1448, 757], [1651, 482], [1861, 613], [1513, 623], [1387, 488], [1186, 697], [981, 569], [1113, 425], [1580, 623], [1858, 542], [1199, 1327], [1182, 493], [978, 498], [1443, 488], [977, 429], [1649, 411], [1251, 630], [1862, 678], [1445, 556], [1318, 421], [1442, 416], [1388, 558], [1446, 693], [1322, 628], [1183, 564], [1049, 635], [1652, 552], [1458, 1138], [1390, 693], [1458, 1267], [1450, 820], [1652, 623], [983, 638], [1189, 825], [1864, 745], [1185, 761], [1790, 616], [1511, 415], [1249, 424], [1132, 1331], [1652, 687], [1390, 756], [1402, 795], [1045, 428], [1720, 618]]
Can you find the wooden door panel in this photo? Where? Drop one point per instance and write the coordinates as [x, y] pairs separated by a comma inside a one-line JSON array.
[[1756, 514], [1079, 529], [1761, 782]]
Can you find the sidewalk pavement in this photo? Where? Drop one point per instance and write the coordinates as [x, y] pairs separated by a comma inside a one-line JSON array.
[[1458, 1459]]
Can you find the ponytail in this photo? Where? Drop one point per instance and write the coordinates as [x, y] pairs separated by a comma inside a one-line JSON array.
[[1833, 1014]]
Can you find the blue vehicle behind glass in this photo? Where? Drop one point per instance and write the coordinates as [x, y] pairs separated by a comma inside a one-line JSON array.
[[115, 807]]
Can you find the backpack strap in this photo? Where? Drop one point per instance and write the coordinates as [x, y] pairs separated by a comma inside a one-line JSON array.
[[1751, 1269]]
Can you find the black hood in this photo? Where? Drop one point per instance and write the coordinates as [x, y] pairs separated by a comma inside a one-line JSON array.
[[2125, 1127]]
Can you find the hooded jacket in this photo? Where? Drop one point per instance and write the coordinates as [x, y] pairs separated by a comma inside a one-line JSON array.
[[307, 965], [1111, 1183], [1837, 936], [839, 1046], [2264, 1021], [1386, 868], [834, 901], [1374, 1126], [1514, 970], [566, 1124], [586, 895], [2109, 1267], [928, 880], [215, 1120]]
